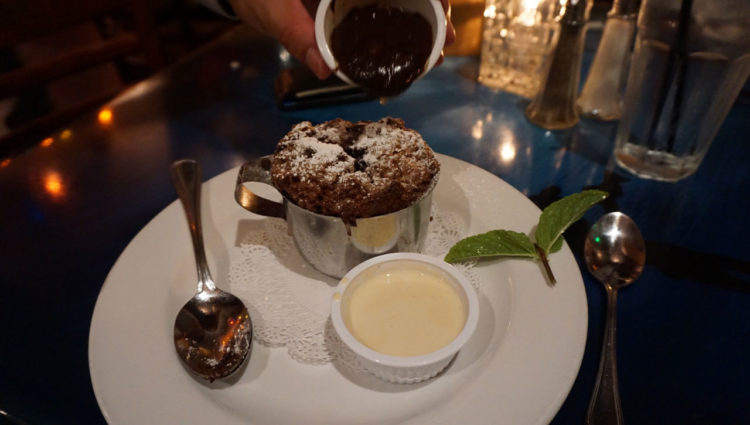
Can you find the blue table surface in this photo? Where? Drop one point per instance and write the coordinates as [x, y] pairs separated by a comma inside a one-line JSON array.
[[67, 211]]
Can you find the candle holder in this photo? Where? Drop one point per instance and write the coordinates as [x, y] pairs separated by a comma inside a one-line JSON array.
[[517, 37]]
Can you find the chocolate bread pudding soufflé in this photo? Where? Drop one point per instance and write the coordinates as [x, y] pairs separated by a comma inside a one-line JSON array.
[[354, 170]]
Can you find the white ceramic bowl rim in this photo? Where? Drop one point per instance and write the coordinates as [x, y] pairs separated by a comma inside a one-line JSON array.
[[321, 37], [472, 317]]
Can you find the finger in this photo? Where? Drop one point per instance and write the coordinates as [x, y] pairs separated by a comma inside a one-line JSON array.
[[314, 61], [290, 23], [450, 30], [295, 29]]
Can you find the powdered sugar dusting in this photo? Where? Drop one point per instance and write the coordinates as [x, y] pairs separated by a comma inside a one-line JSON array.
[[314, 154], [374, 141], [353, 170]]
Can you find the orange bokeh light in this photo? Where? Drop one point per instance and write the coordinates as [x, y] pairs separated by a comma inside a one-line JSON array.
[[47, 142], [53, 184], [105, 116], [5, 162]]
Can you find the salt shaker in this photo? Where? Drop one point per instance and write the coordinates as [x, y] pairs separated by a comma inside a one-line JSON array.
[[602, 93], [554, 106]]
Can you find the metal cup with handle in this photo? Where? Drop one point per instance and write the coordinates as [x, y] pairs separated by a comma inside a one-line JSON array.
[[328, 243]]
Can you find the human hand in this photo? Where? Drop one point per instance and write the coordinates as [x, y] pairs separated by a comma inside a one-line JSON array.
[[291, 23], [450, 31]]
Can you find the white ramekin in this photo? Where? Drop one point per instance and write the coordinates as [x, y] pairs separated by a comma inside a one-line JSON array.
[[396, 369], [326, 20]]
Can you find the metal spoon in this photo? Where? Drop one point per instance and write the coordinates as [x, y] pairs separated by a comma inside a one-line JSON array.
[[615, 253], [212, 332]]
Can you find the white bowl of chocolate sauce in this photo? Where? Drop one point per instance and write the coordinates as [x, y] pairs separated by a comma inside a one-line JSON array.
[[382, 46]]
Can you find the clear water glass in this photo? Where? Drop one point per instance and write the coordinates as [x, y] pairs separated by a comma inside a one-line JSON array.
[[690, 61]]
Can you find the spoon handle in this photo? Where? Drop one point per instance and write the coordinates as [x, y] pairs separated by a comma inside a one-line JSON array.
[[186, 177], [604, 407]]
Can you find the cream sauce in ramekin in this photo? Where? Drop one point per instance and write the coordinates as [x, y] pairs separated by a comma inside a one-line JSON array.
[[405, 311]]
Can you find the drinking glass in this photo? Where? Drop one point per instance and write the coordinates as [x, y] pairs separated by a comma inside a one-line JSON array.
[[690, 61]]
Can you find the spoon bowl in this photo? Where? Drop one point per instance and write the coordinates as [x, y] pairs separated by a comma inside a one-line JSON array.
[[614, 250], [615, 253], [211, 334], [212, 331]]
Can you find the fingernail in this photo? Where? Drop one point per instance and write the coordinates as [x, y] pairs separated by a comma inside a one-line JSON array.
[[440, 59], [316, 63]]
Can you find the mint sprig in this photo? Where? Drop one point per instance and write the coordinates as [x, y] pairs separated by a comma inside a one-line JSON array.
[[548, 239]]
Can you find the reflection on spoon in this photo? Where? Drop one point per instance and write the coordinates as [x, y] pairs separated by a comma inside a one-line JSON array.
[[212, 332]]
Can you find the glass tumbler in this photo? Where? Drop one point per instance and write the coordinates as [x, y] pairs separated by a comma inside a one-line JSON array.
[[690, 61]]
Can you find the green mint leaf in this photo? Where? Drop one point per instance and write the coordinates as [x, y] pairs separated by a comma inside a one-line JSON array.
[[490, 244], [556, 246], [561, 214]]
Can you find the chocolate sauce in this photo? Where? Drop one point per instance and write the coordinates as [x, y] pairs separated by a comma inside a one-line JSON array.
[[382, 48]]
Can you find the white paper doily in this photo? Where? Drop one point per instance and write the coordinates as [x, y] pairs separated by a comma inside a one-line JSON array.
[[289, 301]]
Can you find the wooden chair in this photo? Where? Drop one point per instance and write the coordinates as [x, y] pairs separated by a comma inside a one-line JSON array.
[[121, 29]]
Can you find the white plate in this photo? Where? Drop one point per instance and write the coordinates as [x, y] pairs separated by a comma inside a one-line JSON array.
[[517, 369]]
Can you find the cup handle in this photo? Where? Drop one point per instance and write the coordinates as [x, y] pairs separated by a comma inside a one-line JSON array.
[[257, 170]]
